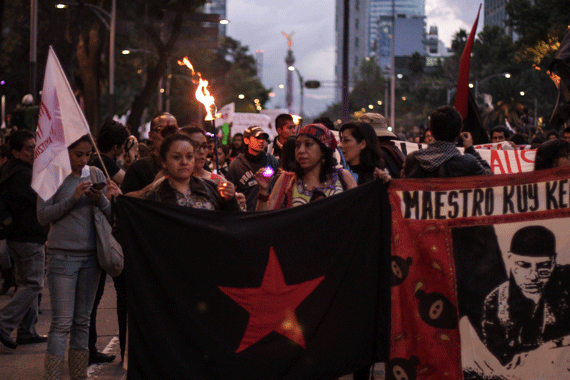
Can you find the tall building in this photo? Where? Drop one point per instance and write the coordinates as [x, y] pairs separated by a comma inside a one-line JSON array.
[[496, 15], [370, 28], [218, 7]]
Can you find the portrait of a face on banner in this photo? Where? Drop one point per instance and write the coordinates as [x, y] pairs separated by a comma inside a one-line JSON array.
[[515, 320]]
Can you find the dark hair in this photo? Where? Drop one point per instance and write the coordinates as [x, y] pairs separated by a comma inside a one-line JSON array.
[[84, 138], [549, 151], [282, 119], [287, 160], [552, 132], [445, 123], [156, 117], [18, 138], [370, 156], [327, 168], [237, 134], [225, 149], [171, 139], [566, 130], [519, 139], [500, 129], [325, 121], [191, 130], [4, 151], [112, 133]]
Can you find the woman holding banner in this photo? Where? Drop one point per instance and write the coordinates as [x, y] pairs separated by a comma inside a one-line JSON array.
[[314, 177], [180, 187], [73, 269]]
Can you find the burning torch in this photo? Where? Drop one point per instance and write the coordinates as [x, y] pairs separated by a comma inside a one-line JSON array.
[[203, 96]]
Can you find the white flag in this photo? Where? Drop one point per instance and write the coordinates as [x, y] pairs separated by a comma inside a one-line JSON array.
[[60, 123], [225, 114]]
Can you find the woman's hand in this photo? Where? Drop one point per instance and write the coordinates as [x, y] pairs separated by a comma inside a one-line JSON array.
[[380, 173], [227, 190], [262, 180], [113, 190], [81, 189], [93, 194]]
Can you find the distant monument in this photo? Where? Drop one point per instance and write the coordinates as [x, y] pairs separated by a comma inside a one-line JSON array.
[[289, 61]]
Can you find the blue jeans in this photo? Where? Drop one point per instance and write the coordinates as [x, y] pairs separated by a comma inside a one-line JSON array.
[[22, 310], [72, 283]]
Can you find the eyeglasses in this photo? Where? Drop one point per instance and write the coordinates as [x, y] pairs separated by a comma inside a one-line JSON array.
[[201, 146]]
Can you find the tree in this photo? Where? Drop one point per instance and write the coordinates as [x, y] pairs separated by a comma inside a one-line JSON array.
[[369, 86]]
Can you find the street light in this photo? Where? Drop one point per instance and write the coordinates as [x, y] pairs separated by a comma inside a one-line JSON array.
[[478, 82], [100, 12], [302, 85]]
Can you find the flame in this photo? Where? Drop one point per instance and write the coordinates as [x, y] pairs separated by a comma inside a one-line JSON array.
[[202, 93]]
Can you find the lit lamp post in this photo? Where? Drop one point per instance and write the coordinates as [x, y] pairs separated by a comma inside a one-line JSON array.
[[478, 82], [302, 86], [100, 12]]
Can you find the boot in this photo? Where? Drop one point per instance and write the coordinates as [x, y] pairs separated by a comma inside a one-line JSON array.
[[77, 362], [53, 367], [9, 280]]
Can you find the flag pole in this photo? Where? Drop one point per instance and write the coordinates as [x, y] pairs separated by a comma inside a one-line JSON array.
[[99, 155]]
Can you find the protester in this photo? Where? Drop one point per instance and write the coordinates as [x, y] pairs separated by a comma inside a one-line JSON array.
[[111, 143], [146, 170], [441, 158], [223, 155], [242, 170], [552, 135], [519, 139], [552, 154], [131, 153], [6, 266], [200, 142], [315, 176], [566, 134], [285, 127], [392, 156], [359, 146], [180, 187], [73, 267], [499, 133], [237, 146], [25, 241]]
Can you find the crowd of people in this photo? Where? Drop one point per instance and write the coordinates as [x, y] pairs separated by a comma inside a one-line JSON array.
[[304, 163]]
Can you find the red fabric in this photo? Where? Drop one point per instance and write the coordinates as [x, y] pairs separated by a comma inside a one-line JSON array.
[[461, 96]]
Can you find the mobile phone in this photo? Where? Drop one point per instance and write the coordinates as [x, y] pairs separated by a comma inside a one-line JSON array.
[[268, 172], [99, 185]]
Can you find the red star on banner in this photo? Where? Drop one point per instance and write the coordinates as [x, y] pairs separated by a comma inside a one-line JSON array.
[[271, 307]]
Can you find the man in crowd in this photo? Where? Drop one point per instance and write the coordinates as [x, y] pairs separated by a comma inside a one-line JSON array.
[[392, 156], [499, 134], [142, 172], [242, 170], [441, 158], [566, 134], [26, 242], [237, 146], [285, 127], [533, 306]]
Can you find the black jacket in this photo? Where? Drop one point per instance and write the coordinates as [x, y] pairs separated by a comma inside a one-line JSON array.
[[21, 199], [467, 164], [203, 187]]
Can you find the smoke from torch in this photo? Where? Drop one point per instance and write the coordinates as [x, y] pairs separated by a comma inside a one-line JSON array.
[[202, 93]]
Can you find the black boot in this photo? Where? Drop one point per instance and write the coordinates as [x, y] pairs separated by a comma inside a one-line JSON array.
[[9, 280]]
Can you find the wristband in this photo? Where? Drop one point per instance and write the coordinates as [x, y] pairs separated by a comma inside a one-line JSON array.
[[262, 197]]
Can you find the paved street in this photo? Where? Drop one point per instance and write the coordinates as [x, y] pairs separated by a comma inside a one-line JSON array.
[[26, 362]]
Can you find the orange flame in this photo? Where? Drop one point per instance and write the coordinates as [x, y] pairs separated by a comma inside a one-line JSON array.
[[202, 93]]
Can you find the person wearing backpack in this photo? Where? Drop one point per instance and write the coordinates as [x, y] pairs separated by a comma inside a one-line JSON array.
[[26, 240]]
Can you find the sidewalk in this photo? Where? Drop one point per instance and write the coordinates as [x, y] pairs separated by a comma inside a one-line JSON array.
[[26, 362]]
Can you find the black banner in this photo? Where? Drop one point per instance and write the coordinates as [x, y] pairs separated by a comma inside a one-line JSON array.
[[301, 293]]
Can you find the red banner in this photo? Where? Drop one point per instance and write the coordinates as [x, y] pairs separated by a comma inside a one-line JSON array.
[[481, 277]]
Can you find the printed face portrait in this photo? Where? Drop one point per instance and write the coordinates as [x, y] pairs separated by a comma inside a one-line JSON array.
[[530, 273]]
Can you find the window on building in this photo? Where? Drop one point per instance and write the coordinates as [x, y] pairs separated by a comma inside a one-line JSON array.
[[356, 41], [356, 23], [355, 60], [357, 5]]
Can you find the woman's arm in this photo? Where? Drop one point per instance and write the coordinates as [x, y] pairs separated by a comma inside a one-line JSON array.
[[49, 211], [348, 179]]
